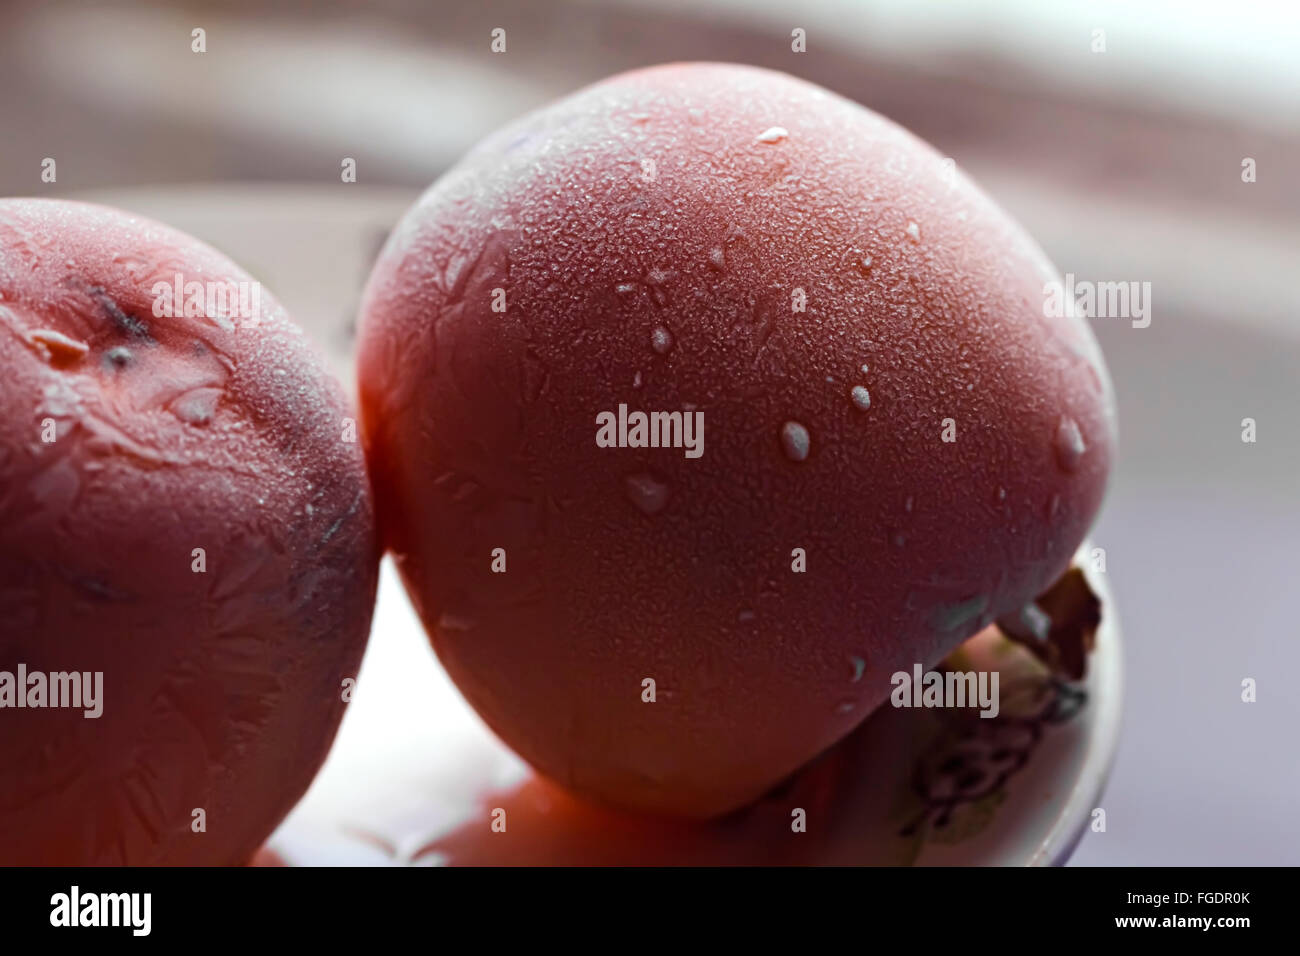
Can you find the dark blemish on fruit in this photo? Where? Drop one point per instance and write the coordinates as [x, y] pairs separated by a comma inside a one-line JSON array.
[[99, 590], [118, 358], [953, 764], [342, 518], [971, 778], [127, 323]]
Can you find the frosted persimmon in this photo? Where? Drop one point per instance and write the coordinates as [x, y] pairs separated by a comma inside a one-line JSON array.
[[188, 556], [896, 443]]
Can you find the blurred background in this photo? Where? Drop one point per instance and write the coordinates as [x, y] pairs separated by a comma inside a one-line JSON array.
[[1126, 164]]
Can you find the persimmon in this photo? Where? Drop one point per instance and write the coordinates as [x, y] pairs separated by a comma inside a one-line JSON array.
[[186, 525], [901, 445]]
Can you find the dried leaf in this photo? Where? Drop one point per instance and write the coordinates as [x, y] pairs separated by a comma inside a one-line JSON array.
[[1059, 626]]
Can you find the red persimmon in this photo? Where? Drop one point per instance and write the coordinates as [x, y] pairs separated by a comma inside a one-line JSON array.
[[900, 443], [187, 546]]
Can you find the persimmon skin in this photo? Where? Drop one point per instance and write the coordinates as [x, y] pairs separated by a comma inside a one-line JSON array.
[[736, 241], [222, 667]]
